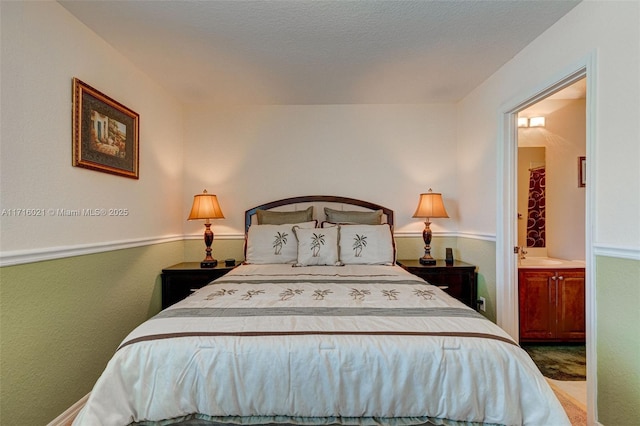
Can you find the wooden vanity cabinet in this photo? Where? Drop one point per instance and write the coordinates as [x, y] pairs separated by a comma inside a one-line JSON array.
[[552, 305]]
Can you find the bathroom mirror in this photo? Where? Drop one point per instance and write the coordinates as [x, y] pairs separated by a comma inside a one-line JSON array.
[[531, 197]]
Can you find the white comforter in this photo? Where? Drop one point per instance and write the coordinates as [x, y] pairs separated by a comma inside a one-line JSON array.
[[321, 344]]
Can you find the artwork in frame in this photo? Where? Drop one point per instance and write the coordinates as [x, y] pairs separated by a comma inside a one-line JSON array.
[[582, 172], [105, 133]]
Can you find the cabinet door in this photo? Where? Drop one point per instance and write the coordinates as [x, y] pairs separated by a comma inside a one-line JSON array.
[[536, 294], [178, 285], [571, 306]]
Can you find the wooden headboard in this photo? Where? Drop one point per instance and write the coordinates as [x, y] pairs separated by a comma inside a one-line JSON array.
[[318, 202]]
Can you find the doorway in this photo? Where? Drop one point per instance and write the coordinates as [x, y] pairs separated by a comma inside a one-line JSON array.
[[506, 235], [551, 226]]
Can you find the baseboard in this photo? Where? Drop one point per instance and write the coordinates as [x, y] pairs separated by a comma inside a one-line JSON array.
[[66, 418]]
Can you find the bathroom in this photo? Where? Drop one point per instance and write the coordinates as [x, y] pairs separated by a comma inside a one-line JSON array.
[[551, 217], [557, 150], [551, 231]]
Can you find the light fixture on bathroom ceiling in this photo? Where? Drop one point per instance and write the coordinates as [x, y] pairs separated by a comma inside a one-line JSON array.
[[536, 122], [531, 122], [523, 122]]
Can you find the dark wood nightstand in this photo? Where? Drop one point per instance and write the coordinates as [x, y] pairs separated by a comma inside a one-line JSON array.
[[459, 280], [179, 281]]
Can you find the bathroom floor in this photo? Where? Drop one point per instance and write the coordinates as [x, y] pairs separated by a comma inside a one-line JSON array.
[[559, 362], [564, 366]]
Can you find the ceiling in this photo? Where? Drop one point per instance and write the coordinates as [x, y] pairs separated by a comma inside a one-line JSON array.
[[557, 100], [319, 51]]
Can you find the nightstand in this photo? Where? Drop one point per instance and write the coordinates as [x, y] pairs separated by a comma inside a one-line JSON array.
[[459, 280], [179, 281]]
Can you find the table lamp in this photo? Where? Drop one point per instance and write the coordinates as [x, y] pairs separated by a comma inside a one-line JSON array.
[[205, 206], [429, 206]]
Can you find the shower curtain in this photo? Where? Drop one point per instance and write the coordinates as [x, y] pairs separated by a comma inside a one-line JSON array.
[[536, 209]]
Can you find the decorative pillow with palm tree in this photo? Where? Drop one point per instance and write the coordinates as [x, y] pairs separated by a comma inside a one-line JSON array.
[[273, 243], [317, 246], [366, 245]]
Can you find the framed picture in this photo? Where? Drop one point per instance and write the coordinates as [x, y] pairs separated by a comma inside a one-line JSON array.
[[105, 133], [582, 171]]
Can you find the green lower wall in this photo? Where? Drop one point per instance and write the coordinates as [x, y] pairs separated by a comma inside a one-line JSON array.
[[618, 344], [61, 320], [482, 253]]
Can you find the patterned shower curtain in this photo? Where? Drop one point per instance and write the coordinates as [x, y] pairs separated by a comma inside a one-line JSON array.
[[536, 212]]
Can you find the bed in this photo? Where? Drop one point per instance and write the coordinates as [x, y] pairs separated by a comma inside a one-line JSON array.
[[320, 327]]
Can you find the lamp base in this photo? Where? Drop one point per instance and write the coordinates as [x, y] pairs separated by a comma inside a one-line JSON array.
[[209, 263], [427, 261]]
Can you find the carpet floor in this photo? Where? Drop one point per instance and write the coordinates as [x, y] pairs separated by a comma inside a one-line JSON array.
[[576, 410], [559, 362]]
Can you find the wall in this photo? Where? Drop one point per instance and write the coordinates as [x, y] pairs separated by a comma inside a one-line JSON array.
[[619, 340], [387, 154], [583, 31], [61, 319], [43, 48], [566, 199], [481, 251]]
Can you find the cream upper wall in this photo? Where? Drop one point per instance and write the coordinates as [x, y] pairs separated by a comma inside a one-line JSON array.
[[386, 154], [587, 30], [43, 48]]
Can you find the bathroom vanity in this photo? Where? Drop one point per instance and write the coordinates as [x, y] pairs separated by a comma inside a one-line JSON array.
[[551, 300]]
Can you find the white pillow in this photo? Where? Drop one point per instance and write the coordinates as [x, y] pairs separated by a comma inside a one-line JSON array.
[[366, 245], [273, 243], [317, 246]]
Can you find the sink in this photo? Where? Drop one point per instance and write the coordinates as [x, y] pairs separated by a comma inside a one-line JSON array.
[[538, 261]]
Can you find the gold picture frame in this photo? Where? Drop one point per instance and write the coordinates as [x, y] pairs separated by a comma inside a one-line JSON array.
[[582, 172], [105, 133]]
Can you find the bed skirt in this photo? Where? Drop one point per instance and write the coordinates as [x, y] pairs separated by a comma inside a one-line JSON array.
[[204, 420]]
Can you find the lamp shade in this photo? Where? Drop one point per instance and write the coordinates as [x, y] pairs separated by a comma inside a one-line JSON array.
[[430, 205], [205, 206]]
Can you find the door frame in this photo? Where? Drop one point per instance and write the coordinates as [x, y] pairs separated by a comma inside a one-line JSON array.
[[506, 210]]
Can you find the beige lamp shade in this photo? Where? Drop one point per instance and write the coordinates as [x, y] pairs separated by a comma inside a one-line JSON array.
[[430, 205], [205, 206]]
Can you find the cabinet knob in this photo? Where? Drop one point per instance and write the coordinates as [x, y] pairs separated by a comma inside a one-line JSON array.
[[553, 278], [561, 277]]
